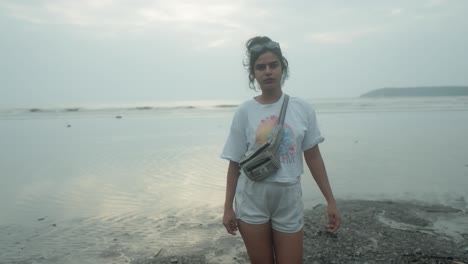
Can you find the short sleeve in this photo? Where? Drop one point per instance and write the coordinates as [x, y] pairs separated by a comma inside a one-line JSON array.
[[236, 143], [312, 135]]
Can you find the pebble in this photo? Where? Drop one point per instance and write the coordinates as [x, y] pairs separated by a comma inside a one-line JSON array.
[[174, 260]]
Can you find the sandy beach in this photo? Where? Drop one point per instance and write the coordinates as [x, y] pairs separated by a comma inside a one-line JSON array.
[[371, 232], [84, 187]]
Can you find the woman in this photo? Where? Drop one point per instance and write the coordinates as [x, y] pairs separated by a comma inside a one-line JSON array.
[[269, 213]]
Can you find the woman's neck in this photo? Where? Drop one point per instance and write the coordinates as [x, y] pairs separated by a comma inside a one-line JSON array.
[[269, 97]]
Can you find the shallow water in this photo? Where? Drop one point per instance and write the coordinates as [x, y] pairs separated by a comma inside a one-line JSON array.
[[84, 185]]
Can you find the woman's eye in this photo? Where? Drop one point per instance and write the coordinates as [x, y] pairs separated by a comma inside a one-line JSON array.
[[260, 67], [273, 65]]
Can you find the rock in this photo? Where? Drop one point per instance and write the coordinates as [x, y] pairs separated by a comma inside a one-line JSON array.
[[157, 253], [174, 260]]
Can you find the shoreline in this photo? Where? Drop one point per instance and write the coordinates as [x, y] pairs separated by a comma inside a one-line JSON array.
[[371, 232]]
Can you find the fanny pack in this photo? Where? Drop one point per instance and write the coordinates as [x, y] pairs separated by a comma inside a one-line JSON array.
[[264, 160]]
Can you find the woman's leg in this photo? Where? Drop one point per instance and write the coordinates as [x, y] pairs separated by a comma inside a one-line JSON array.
[[288, 247], [258, 241]]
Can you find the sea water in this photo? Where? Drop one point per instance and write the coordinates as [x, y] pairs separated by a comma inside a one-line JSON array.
[[110, 184]]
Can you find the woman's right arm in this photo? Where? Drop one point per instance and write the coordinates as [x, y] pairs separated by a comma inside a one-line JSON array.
[[229, 218]]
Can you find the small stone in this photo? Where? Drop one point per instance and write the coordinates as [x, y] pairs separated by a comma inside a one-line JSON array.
[[157, 253], [174, 260], [417, 251]]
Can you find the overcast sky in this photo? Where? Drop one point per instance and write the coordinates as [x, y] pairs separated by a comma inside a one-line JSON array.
[[88, 52]]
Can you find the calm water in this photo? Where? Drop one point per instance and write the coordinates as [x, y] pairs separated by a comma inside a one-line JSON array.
[[86, 187]]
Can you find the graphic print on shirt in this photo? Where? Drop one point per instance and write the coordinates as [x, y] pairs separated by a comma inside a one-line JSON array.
[[288, 143]]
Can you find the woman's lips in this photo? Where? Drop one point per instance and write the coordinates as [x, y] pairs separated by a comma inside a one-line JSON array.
[[268, 80]]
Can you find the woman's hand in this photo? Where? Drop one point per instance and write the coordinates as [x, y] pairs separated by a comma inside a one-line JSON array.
[[333, 218], [230, 221]]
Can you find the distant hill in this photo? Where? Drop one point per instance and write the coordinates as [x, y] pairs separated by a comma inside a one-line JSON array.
[[419, 91]]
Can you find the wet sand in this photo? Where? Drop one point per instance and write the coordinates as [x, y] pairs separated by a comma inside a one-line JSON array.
[[371, 232]]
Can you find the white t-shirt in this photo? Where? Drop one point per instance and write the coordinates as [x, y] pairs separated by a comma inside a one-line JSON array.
[[253, 122]]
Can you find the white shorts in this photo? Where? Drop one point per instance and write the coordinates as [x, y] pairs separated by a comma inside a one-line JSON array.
[[260, 202]]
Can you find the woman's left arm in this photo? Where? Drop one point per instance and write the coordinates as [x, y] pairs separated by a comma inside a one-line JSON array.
[[314, 161]]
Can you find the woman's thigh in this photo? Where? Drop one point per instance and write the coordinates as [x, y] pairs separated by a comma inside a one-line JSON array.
[[258, 241], [288, 247]]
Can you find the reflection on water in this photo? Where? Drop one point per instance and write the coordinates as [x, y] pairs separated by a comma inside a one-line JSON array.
[[104, 188], [81, 185], [99, 167], [107, 239]]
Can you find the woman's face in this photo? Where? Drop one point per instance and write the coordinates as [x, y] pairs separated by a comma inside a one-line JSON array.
[[268, 72]]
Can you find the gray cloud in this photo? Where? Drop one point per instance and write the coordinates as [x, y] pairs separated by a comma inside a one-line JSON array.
[[86, 52]]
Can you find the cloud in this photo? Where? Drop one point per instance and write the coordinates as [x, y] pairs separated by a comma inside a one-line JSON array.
[[21, 12], [341, 36], [207, 23], [435, 3], [126, 13], [217, 43], [395, 12]]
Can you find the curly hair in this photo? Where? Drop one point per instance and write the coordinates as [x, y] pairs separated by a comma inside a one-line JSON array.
[[252, 56]]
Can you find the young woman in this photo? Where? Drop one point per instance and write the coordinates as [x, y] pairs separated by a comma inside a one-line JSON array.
[[269, 213]]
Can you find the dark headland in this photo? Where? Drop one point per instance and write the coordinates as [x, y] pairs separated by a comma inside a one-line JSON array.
[[419, 91]]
